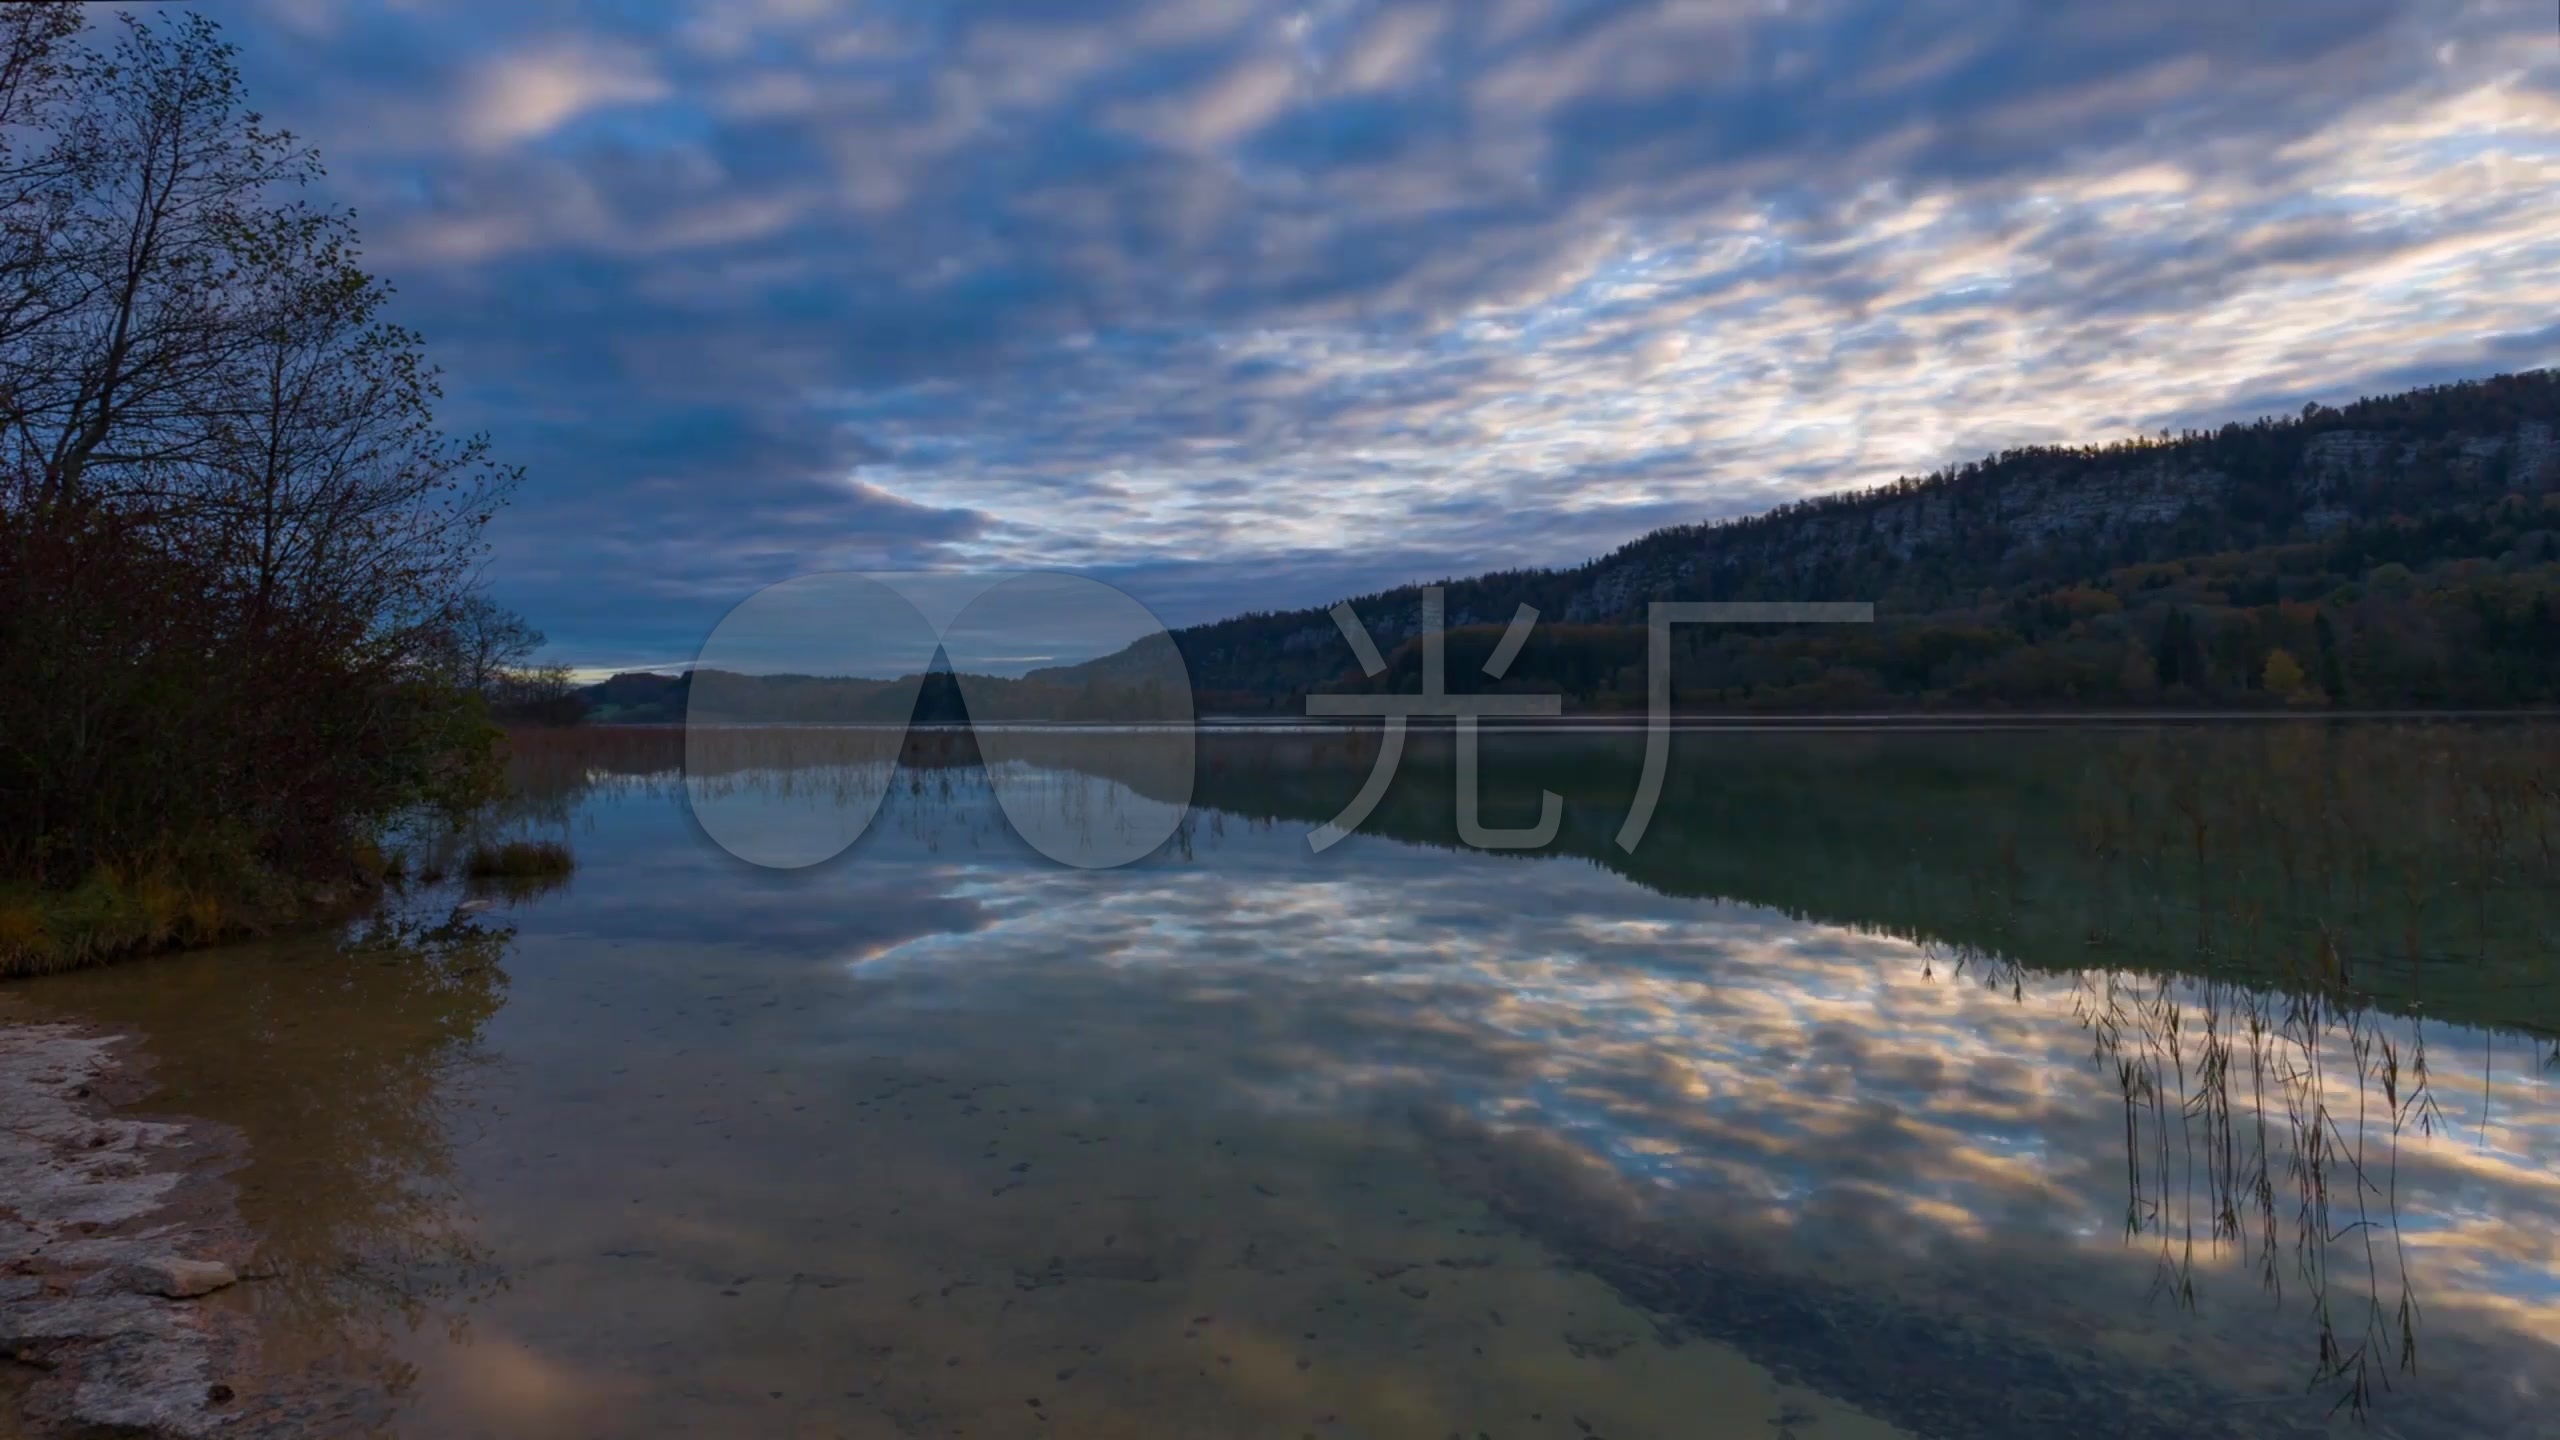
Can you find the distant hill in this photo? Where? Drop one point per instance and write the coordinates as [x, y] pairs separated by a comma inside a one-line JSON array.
[[2403, 550], [2400, 551], [638, 697], [938, 697]]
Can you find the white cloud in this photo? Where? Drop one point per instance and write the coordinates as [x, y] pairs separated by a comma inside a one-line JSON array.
[[1491, 291], [1391, 49], [530, 93], [1224, 109]]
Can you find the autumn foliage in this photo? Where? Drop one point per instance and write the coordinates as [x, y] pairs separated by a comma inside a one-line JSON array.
[[236, 553]]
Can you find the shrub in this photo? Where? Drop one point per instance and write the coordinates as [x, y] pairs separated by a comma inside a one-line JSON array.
[[114, 912], [519, 860]]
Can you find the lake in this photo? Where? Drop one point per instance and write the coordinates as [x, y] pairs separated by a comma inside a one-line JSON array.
[[2007, 1082]]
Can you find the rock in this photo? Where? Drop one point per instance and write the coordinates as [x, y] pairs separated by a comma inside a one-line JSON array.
[[134, 1385], [30, 1324], [95, 1210], [174, 1277]]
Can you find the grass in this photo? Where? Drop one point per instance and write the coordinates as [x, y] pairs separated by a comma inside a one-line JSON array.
[[210, 892], [119, 912], [116, 912]]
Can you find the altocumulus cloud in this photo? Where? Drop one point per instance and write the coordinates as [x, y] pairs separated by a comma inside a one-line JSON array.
[[1251, 304]]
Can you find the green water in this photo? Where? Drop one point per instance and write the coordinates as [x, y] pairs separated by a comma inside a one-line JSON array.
[[1896, 1084]]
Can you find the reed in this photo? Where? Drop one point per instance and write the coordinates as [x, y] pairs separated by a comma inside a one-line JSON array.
[[519, 860]]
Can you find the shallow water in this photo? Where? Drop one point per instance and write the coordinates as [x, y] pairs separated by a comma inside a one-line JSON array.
[[943, 1138]]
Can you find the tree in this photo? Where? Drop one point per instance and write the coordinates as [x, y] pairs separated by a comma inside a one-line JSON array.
[[486, 644], [2283, 675], [35, 167], [539, 695], [158, 173], [2138, 677], [319, 469], [491, 656], [2333, 674], [236, 549], [2182, 656]]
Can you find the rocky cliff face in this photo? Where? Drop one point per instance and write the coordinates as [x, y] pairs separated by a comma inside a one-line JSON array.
[[2343, 465], [2342, 475]]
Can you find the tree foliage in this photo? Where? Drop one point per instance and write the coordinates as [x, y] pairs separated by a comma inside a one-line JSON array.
[[236, 551]]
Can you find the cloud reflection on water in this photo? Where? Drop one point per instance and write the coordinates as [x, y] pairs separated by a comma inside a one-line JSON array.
[[1835, 1102], [1843, 1088]]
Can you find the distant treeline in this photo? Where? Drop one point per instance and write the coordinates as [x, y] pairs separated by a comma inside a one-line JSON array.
[[2402, 551], [2457, 608], [938, 698]]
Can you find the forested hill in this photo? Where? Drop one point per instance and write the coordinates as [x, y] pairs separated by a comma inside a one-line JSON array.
[[2403, 550]]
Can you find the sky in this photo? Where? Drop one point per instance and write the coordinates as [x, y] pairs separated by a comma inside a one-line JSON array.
[[1243, 306]]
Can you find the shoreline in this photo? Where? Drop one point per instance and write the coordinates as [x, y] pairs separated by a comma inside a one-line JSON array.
[[1620, 721], [113, 1226]]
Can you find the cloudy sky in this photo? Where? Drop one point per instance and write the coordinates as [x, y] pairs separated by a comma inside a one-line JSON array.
[[1239, 305]]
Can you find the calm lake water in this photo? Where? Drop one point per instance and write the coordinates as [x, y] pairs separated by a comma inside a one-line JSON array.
[[2109, 1083]]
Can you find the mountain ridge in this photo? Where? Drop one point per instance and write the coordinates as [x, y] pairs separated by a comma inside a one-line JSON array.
[[1965, 544]]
